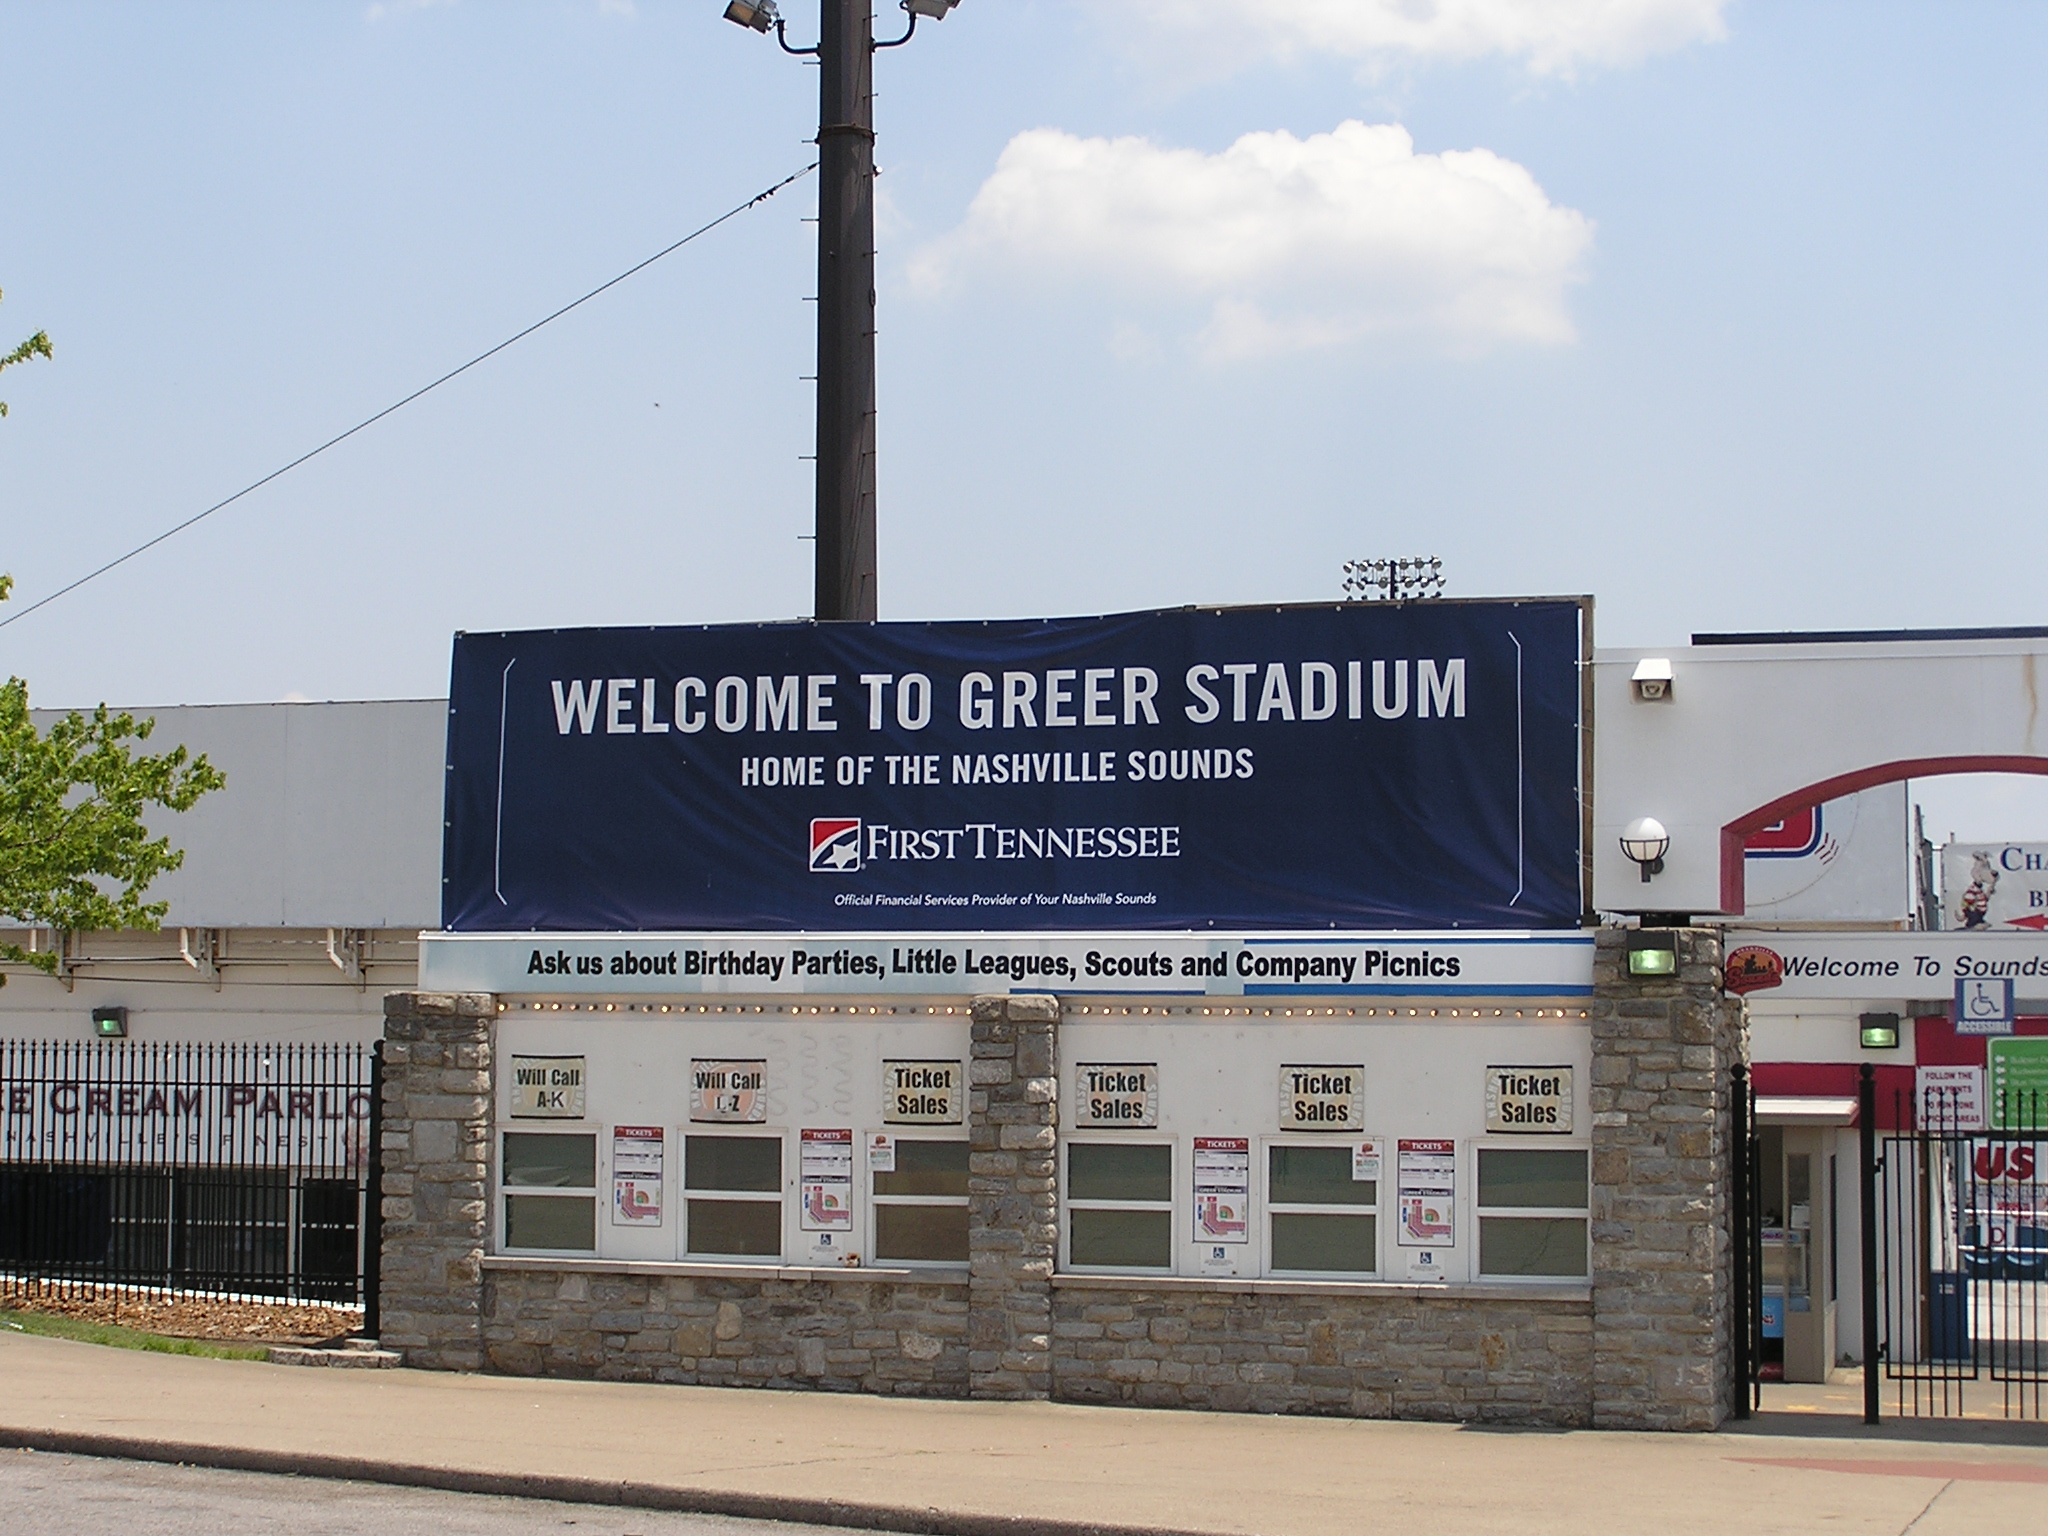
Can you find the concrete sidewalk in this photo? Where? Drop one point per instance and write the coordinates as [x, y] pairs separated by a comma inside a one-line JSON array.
[[972, 1468]]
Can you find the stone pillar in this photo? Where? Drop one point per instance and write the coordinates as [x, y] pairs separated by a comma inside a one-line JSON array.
[[1662, 1274], [437, 1142], [1012, 1195]]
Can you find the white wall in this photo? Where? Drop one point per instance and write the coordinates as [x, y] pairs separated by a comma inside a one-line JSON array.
[[1746, 724], [281, 999], [331, 816]]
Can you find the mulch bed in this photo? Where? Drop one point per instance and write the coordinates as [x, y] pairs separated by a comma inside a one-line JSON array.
[[191, 1317]]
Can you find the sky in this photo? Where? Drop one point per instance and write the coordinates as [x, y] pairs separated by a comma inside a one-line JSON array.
[[1727, 314]]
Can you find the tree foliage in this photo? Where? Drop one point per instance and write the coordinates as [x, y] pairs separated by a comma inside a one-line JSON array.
[[37, 345], [75, 852]]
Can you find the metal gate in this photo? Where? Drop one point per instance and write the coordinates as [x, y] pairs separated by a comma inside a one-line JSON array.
[[217, 1169], [1956, 1260]]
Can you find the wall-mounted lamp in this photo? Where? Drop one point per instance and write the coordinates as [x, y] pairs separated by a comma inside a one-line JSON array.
[[1652, 952], [1880, 1031], [1645, 841], [1651, 679], [110, 1023]]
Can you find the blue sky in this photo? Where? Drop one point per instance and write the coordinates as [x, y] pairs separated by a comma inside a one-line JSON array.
[[1735, 321]]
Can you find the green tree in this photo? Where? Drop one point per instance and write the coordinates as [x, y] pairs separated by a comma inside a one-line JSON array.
[[37, 345], [75, 854]]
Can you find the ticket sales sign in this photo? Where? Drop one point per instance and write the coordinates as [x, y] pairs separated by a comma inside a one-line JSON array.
[[1529, 1101], [1321, 1098], [923, 1093], [1399, 766]]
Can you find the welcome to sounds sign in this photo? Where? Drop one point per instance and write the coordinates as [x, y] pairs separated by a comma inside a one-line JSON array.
[[1400, 766]]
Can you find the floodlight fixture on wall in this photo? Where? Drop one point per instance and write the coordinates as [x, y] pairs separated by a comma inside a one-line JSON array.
[[1878, 1031], [758, 14], [1401, 580], [110, 1023], [1646, 842], [1651, 680], [1652, 952]]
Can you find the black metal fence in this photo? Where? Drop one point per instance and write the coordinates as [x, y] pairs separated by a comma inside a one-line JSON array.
[[1962, 1255], [219, 1169]]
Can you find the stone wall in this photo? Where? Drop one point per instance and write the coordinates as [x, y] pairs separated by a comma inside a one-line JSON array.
[[436, 1197], [1013, 1193], [838, 1335], [1662, 1279], [1492, 1358]]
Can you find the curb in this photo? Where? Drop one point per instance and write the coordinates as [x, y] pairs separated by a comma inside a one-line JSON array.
[[842, 1513]]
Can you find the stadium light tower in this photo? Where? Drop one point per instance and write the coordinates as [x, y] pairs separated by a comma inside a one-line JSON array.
[[846, 286]]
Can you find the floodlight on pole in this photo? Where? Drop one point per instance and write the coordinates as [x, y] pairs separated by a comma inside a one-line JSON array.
[[1403, 580], [758, 14], [845, 539]]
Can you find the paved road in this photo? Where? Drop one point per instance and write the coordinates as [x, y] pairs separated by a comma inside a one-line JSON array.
[[43, 1495], [982, 1465]]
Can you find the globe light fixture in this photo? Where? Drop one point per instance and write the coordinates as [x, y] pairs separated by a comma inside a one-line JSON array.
[[1646, 842]]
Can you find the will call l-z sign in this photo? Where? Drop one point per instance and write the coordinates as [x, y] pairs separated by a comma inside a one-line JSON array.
[[1350, 766]]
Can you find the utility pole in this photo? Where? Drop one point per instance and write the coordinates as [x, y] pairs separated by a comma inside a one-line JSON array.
[[846, 312], [846, 285]]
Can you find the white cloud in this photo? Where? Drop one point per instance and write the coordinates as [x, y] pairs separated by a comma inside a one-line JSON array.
[[1291, 243], [1553, 36]]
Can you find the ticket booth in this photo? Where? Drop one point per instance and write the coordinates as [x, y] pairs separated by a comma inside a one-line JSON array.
[[1800, 1276]]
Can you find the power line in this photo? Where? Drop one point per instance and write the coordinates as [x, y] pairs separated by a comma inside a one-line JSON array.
[[369, 421]]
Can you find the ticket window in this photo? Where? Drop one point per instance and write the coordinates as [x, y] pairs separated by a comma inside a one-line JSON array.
[[1322, 1217], [918, 1205], [1119, 1198], [548, 1180], [733, 1196]]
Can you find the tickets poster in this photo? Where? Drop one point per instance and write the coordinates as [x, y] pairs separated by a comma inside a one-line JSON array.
[[827, 1182], [636, 1175], [1427, 1177], [1223, 1178]]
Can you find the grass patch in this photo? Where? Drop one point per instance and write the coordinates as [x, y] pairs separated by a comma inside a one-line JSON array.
[[48, 1326]]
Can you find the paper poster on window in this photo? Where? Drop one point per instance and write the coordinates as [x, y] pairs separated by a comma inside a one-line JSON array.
[[547, 1087], [1427, 1178], [1223, 1182], [827, 1180], [636, 1175], [729, 1092], [1365, 1162], [881, 1153]]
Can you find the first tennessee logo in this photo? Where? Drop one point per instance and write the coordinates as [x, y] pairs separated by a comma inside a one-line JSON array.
[[835, 846]]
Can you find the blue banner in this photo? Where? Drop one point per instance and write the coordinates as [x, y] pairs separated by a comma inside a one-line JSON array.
[[1353, 766]]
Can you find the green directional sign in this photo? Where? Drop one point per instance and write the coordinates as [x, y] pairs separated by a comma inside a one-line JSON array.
[[2018, 1083]]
